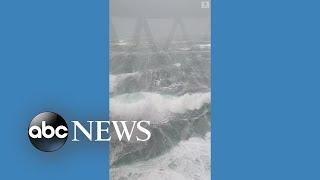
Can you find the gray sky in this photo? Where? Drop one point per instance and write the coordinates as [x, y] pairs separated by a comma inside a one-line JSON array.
[[158, 8], [160, 15]]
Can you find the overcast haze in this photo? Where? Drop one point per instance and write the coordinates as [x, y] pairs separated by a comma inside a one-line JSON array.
[[160, 15]]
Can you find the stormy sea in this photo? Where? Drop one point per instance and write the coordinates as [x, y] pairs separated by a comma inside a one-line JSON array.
[[168, 85]]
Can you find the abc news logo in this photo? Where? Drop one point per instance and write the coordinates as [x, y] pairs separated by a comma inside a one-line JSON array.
[[48, 131]]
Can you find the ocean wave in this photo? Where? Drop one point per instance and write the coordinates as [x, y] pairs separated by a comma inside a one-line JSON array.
[[144, 105], [180, 163], [115, 79], [171, 89]]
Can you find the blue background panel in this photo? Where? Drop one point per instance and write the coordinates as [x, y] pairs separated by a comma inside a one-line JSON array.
[[267, 118], [53, 57]]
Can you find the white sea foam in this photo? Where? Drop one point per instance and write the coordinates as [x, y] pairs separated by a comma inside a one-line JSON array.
[[155, 107], [203, 46], [121, 43], [177, 64], [115, 79], [180, 163]]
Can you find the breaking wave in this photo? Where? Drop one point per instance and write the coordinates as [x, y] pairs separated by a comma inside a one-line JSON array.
[[145, 104]]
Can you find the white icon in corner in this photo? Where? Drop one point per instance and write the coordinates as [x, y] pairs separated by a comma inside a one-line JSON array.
[[205, 4]]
